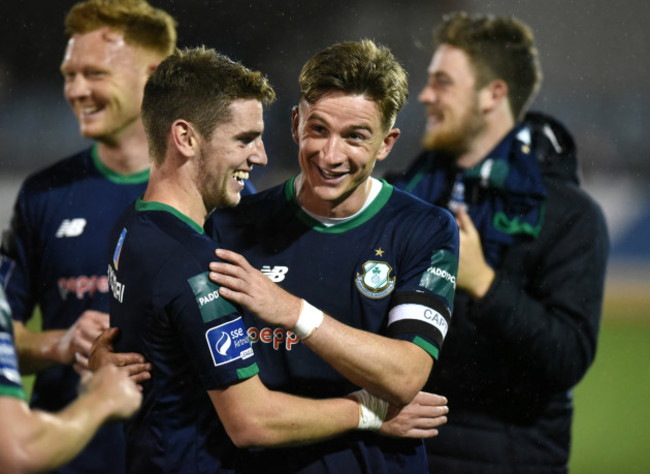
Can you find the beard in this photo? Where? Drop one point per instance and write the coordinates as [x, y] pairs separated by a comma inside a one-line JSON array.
[[455, 137], [212, 187]]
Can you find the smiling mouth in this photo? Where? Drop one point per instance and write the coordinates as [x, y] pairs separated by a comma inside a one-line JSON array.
[[89, 111], [434, 118], [329, 175], [240, 176]]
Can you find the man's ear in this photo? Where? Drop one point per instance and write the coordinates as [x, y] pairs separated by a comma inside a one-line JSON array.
[[493, 96], [184, 137], [295, 121], [387, 145]]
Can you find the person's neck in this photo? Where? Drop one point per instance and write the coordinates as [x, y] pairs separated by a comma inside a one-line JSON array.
[[128, 155], [346, 207], [176, 189], [485, 142]]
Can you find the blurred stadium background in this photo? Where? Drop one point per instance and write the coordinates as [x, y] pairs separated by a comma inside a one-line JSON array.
[[596, 80]]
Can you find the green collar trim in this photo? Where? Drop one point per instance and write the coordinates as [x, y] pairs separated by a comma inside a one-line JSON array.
[[368, 213], [141, 205], [114, 176]]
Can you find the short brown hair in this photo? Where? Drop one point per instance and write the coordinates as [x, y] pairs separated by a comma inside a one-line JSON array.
[[498, 48], [357, 67], [141, 24], [197, 85]]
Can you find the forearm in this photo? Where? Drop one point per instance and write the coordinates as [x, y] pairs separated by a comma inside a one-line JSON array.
[[39, 441], [392, 369], [256, 416], [39, 350]]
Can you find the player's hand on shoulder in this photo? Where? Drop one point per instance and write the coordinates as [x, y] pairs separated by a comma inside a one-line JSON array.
[[242, 283], [419, 419]]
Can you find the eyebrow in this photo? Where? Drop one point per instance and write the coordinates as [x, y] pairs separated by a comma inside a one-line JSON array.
[[249, 134], [440, 74], [351, 127]]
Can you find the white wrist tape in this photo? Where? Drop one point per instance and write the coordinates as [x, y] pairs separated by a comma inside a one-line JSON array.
[[372, 410], [309, 320]]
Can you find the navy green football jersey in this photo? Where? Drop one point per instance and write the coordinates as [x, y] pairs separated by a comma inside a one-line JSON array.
[[168, 310], [10, 382], [54, 256], [390, 270]]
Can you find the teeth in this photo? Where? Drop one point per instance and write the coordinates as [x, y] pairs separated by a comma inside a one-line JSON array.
[[240, 175], [329, 175]]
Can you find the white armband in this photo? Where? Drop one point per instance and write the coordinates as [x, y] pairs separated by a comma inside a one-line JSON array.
[[309, 320]]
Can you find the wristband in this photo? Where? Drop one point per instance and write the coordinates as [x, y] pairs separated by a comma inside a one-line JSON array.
[[309, 320], [372, 410]]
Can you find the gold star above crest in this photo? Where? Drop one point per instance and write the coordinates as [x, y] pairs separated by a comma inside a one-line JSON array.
[[379, 252]]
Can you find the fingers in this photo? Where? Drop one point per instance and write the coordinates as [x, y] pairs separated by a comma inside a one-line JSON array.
[[106, 338], [421, 433], [431, 399], [94, 319], [139, 372], [464, 220], [222, 277], [461, 216], [81, 362], [232, 257]]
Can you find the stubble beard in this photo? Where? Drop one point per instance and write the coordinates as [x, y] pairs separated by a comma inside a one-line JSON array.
[[456, 139]]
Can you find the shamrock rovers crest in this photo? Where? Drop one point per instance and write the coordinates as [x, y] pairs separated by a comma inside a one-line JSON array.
[[375, 282]]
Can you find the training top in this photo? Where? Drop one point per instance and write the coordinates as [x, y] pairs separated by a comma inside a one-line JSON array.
[[168, 310], [390, 270]]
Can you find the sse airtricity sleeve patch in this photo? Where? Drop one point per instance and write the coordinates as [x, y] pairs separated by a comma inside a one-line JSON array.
[[229, 342]]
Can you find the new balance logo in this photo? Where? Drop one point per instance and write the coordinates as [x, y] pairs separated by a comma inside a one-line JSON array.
[[276, 274], [71, 227]]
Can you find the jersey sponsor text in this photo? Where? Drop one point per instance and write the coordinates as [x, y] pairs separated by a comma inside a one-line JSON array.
[[82, 286], [116, 287], [278, 337]]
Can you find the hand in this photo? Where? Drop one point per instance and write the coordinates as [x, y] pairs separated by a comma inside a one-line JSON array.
[[80, 336], [131, 363], [418, 419], [249, 287], [114, 387], [474, 274]]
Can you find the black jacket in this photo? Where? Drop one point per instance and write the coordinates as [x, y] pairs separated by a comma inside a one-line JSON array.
[[510, 360]]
